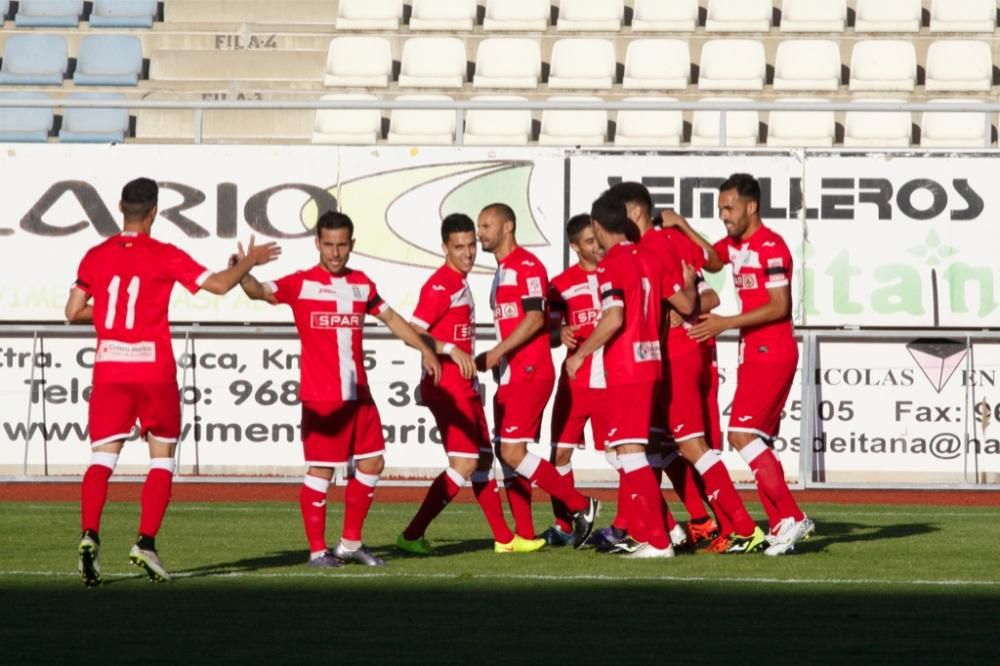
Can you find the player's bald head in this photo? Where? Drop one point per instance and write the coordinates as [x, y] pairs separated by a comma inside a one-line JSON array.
[[139, 198], [502, 212]]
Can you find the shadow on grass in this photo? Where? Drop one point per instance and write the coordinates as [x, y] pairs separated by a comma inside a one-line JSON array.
[[836, 532], [285, 558]]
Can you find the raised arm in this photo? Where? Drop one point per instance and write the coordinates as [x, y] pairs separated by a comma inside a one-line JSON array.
[[713, 263], [255, 255]]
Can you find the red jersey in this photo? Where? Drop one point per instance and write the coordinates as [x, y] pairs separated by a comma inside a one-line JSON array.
[[760, 263], [130, 277], [678, 341], [521, 286], [632, 355], [574, 295], [446, 310], [329, 313]]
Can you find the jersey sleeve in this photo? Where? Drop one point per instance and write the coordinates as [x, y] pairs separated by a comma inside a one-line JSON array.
[[610, 288], [533, 287], [85, 275], [721, 248], [776, 261], [375, 305], [286, 289], [180, 267], [434, 303]]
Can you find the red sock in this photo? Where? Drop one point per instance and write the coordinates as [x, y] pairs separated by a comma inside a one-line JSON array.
[[155, 495], [519, 498], [645, 498], [441, 492], [562, 514], [770, 477], [357, 501], [721, 491], [312, 503], [683, 478], [488, 495], [621, 514], [665, 513], [93, 494], [548, 479]]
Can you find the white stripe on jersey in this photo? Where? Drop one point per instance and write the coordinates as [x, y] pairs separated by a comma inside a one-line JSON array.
[[597, 375], [338, 289], [348, 371]]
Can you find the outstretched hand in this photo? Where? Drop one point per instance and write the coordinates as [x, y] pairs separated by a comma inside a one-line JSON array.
[[709, 325], [259, 254]]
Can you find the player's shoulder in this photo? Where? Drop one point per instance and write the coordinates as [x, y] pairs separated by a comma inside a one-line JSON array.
[[355, 276], [767, 238], [567, 278], [526, 262], [441, 282]]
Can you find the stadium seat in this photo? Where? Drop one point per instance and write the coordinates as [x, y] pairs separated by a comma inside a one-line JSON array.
[[48, 13], [347, 126], [123, 14], [955, 129], [94, 125], [959, 66], [35, 60], [517, 15], [574, 128], [414, 127], [813, 15], [4, 10], [369, 14], [738, 16], [508, 62], [657, 64], [888, 16], [963, 15], [801, 129], [591, 15], [249, 12], [649, 128], [742, 127], [807, 64], [433, 62], [450, 15], [583, 63], [358, 61], [665, 16], [732, 64], [108, 60], [489, 127], [878, 129], [883, 65], [24, 124]]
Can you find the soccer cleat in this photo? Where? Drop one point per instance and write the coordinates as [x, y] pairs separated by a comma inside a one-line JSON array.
[[89, 566], [648, 552], [149, 561], [625, 546], [790, 532], [678, 537], [719, 544], [556, 537], [697, 533], [325, 561], [583, 522], [519, 545], [606, 538], [360, 555], [418, 546], [742, 545]]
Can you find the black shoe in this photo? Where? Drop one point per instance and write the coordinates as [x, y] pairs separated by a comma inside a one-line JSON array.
[[361, 555], [583, 522]]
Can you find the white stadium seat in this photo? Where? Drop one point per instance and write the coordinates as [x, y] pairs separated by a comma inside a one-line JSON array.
[[649, 128], [963, 15], [433, 62], [801, 129], [357, 61], [813, 15], [519, 15], [574, 128], [591, 15], [347, 126], [508, 62], [954, 129], [738, 16], [742, 127], [450, 15], [665, 16], [583, 63], [415, 127], [732, 64], [496, 127], [878, 129], [883, 65], [807, 64], [657, 64], [959, 65], [888, 16], [369, 14]]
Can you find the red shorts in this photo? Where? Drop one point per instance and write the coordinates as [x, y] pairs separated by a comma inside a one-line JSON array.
[[685, 415], [462, 424], [334, 432], [710, 396], [762, 387], [517, 410], [627, 410], [114, 409], [573, 407]]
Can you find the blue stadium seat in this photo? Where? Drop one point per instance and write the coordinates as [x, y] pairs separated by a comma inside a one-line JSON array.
[[34, 60], [123, 14], [94, 125], [24, 124], [48, 13], [4, 9], [108, 60]]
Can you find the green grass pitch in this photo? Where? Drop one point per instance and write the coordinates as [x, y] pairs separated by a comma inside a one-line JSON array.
[[877, 584]]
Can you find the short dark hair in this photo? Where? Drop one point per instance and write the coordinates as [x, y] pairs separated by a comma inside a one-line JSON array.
[[576, 225], [608, 210], [744, 184], [332, 220], [456, 223], [139, 197], [503, 210], [633, 192]]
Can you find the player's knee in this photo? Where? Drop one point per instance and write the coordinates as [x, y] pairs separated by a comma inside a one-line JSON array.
[[371, 465], [738, 440], [561, 456], [512, 455], [321, 472], [464, 466]]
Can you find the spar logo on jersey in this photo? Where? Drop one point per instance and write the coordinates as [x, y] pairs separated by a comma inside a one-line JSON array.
[[331, 320], [646, 351], [464, 332], [746, 281], [505, 311], [584, 317]]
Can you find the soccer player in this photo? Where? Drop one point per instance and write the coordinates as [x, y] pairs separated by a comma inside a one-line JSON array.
[[684, 415], [522, 363], [339, 418], [445, 317], [768, 354], [123, 286]]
